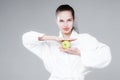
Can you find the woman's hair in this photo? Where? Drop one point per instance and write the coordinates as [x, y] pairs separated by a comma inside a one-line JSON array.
[[66, 7]]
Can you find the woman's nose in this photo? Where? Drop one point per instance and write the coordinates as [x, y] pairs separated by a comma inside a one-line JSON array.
[[65, 24]]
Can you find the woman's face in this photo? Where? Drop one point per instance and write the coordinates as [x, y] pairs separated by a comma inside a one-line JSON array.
[[65, 21]]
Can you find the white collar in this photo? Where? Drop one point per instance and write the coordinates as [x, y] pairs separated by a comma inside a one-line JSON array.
[[74, 34]]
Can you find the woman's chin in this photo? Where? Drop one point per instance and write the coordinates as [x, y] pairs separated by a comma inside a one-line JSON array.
[[66, 32]]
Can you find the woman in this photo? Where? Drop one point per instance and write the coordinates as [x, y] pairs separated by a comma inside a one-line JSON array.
[[86, 52]]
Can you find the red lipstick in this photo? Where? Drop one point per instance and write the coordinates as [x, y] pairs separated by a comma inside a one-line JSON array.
[[66, 29]]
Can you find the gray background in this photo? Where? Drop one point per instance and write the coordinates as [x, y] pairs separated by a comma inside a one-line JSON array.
[[100, 18]]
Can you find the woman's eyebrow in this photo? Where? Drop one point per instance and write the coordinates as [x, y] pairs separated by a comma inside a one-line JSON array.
[[69, 18]]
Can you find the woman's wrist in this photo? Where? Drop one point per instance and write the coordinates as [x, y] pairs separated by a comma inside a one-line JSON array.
[[52, 38], [45, 37]]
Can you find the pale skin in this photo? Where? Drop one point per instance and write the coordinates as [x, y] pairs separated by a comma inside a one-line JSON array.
[[65, 23]]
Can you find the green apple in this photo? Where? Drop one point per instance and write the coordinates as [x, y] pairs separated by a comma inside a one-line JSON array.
[[66, 44]]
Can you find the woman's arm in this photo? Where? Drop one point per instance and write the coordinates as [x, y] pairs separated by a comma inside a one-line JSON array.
[[95, 54], [45, 37], [36, 43], [72, 50]]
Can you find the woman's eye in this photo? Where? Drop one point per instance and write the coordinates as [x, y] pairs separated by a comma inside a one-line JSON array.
[[61, 21], [69, 20]]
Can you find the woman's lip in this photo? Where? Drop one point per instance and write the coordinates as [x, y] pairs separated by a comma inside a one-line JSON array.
[[66, 29]]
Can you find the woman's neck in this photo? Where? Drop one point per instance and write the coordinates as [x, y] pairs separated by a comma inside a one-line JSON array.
[[66, 36]]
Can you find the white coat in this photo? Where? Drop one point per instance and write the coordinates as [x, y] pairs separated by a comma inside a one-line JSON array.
[[63, 66]]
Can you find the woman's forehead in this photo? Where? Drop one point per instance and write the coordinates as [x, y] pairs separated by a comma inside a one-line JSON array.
[[64, 15]]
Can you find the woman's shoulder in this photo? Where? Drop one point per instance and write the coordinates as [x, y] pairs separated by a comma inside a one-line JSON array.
[[87, 40], [87, 37], [32, 33]]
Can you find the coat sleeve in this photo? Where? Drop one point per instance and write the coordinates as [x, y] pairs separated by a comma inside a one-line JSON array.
[[39, 48], [94, 53]]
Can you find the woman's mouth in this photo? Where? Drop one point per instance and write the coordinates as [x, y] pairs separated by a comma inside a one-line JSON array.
[[66, 29]]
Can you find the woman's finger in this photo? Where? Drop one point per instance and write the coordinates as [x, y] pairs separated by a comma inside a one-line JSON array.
[[73, 39]]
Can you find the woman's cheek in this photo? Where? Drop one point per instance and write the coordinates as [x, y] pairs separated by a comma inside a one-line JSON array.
[[60, 27]]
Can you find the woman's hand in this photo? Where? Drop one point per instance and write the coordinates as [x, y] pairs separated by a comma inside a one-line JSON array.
[[62, 39], [72, 50], [45, 37]]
